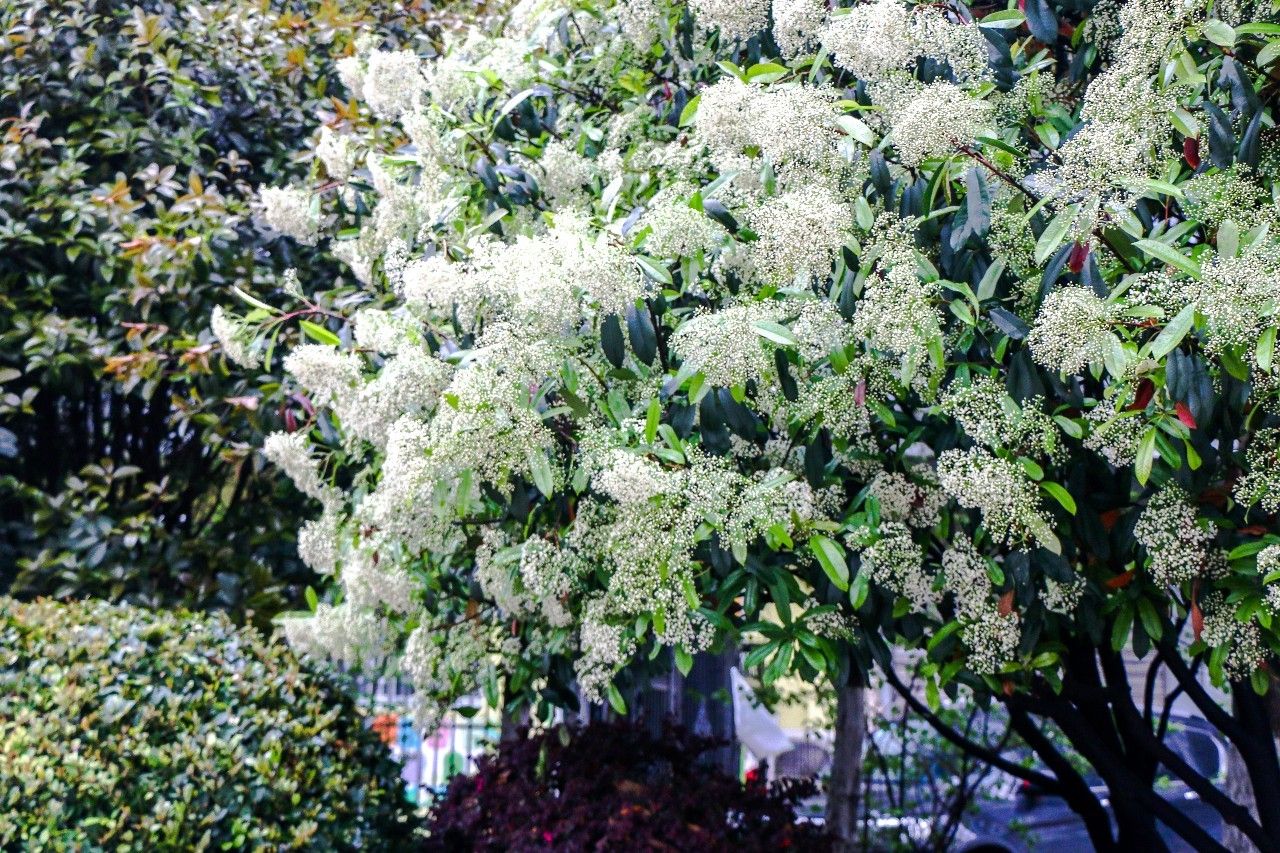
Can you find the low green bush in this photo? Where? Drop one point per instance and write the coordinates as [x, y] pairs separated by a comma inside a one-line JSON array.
[[125, 728]]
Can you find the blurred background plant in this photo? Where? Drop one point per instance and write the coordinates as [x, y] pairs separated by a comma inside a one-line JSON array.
[[132, 138], [139, 729]]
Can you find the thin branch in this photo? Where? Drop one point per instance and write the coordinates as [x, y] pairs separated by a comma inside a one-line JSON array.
[[1048, 783], [1016, 184]]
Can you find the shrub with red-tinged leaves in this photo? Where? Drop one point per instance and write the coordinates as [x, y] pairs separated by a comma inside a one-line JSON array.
[[611, 786]]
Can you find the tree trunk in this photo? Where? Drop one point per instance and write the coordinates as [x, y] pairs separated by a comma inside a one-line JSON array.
[[846, 767], [1239, 789]]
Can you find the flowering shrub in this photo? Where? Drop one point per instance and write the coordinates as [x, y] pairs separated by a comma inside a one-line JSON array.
[[135, 729], [611, 786], [132, 138], [930, 325]]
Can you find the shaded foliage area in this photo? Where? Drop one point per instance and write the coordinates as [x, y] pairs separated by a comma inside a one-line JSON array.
[[138, 729], [611, 786]]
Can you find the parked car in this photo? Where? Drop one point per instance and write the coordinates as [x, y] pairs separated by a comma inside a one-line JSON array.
[[1022, 819], [1011, 816]]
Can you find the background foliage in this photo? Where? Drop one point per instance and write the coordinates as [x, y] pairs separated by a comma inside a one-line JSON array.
[[166, 730], [131, 139]]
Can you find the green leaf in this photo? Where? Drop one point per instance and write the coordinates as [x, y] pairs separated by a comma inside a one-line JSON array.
[[859, 589], [690, 111], [1146, 453], [766, 72], [253, 300], [990, 279], [1061, 495], [540, 467], [1220, 33], [775, 332], [945, 631], [654, 269], [684, 660], [1162, 188], [1228, 239], [319, 333], [831, 557], [1052, 236], [1258, 28], [611, 340], [1151, 622], [1170, 256], [1120, 630], [857, 129], [651, 420], [1007, 19], [1266, 349], [312, 600], [1173, 333], [513, 102], [615, 699]]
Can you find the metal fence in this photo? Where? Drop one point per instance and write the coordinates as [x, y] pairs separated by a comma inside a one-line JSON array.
[[428, 763]]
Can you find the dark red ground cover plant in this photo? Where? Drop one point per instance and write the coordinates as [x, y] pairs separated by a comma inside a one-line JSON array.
[[611, 786]]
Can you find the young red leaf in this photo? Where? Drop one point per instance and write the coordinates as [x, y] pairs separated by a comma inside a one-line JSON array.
[[1191, 152]]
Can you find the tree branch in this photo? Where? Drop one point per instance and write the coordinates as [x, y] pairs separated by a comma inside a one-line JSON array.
[[975, 749]]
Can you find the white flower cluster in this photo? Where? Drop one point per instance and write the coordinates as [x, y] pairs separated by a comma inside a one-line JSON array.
[[1063, 597], [837, 402], [1072, 330], [1000, 489], [319, 541], [337, 152], [548, 577], [1242, 640], [356, 638], [735, 19], [435, 659], [725, 346], [896, 562], [991, 417], [797, 24], [675, 229], [885, 38], [393, 81], [370, 582], [291, 452], [800, 233], [933, 121], [1269, 564], [916, 503], [551, 284], [794, 127], [1261, 481], [992, 636], [564, 174], [1125, 116], [832, 624], [641, 21], [291, 212], [820, 330], [629, 479], [236, 338], [1114, 435], [1177, 543], [606, 647], [1240, 296]]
